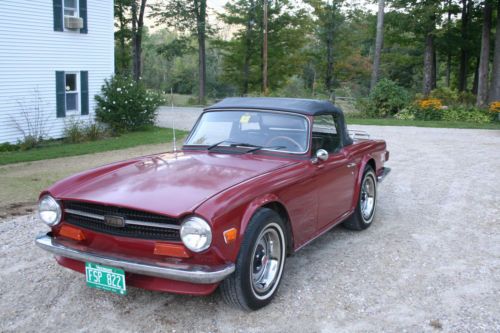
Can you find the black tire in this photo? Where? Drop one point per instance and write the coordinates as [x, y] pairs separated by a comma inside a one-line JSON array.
[[239, 289], [360, 219]]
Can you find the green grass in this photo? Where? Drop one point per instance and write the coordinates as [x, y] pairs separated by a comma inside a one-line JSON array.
[[57, 149], [422, 123]]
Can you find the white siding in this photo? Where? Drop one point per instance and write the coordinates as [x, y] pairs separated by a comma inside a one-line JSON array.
[[31, 52]]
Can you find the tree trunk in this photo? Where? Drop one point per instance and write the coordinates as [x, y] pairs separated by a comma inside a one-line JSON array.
[[484, 58], [448, 55], [495, 79], [434, 69], [329, 52], [476, 78], [137, 26], [264, 50], [464, 54], [201, 16], [379, 40], [248, 49], [428, 59], [123, 66]]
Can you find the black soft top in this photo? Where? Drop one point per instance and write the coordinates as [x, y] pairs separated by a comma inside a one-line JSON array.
[[309, 107]]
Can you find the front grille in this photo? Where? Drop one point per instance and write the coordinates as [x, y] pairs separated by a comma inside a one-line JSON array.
[[91, 216]]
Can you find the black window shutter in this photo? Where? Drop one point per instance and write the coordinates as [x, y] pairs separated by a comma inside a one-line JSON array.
[[60, 95], [84, 91], [83, 15], [58, 15]]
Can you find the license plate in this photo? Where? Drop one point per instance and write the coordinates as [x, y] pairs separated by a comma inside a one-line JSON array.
[[105, 278]]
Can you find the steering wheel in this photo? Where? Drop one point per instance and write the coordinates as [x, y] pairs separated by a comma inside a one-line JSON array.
[[286, 138]]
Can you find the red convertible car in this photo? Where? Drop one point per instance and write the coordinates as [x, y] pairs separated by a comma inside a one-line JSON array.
[[256, 180]]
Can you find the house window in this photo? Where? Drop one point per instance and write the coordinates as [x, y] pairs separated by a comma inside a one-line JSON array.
[[71, 8], [71, 89]]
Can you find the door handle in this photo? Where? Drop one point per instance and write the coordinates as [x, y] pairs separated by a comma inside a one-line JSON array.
[[351, 165]]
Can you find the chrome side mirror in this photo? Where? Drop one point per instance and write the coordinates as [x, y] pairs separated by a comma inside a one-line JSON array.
[[321, 154]]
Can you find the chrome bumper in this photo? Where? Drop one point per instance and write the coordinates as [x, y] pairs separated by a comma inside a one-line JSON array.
[[180, 272], [385, 172]]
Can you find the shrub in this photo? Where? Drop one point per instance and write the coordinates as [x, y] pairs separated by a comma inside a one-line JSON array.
[[73, 131], [78, 131], [455, 113], [468, 114], [453, 97], [126, 105], [495, 107], [386, 99], [6, 146]]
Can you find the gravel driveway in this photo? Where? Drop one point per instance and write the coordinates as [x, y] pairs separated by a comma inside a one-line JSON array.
[[430, 262]]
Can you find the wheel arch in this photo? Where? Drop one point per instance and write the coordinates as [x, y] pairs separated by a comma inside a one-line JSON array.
[[270, 201], [368, 160]]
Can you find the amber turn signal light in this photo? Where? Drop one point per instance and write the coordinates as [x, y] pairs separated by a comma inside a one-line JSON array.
[[171, 250], [230, 235], [73, 233]]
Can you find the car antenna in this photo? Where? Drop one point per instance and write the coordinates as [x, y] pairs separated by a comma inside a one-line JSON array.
[[173, 119]]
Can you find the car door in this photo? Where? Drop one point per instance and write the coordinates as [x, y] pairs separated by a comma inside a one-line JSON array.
[[334, 177]]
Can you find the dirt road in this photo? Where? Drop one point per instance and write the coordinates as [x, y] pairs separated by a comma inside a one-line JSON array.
[[430, 262]]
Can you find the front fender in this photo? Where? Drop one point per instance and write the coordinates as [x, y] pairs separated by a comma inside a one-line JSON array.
[[253, 206]]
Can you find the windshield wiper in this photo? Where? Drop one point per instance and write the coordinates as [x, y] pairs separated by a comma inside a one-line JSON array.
[[252, 147], [231, 144]]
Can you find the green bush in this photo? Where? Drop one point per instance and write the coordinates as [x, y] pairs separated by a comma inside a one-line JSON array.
[[6, 146], [385, 100], [76, 131], [126, 105], [468, 114], [452, 97], [456, 113]]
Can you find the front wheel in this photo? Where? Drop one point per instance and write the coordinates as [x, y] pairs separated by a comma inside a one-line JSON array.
[[260, 263], [365, 209]]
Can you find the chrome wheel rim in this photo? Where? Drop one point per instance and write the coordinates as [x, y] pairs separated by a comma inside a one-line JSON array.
[[266, 261], [367, 198]]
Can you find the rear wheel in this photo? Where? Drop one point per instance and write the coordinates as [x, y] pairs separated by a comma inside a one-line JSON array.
[[364, 213], [260, 263]]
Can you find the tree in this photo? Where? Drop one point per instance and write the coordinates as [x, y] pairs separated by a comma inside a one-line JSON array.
[[137, 30], [123, 35], [328, 19], [464, 49], [378, 44], [243, 62], [484, 59], [495, 80], [187, 17]]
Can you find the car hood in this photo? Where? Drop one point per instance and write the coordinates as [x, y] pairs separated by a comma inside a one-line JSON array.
[[171, 183]]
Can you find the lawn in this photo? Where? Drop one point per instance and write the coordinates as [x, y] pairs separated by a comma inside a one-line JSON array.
[[422, 123], [61, 149]]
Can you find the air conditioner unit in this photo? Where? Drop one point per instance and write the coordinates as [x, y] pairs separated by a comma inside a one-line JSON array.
[[71, 22]]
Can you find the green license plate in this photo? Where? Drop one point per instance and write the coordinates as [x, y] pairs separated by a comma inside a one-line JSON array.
[[105, 278]]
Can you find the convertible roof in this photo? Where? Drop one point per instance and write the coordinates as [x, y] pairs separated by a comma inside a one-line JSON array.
[[298, 105]]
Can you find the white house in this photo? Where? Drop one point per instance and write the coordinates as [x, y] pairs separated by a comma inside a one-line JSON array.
[[54, 57]]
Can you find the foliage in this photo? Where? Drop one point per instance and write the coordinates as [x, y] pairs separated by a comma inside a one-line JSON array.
[[453, 97], [76, 130], [126, 105], [423, 111], [288, 27], [31, 121], [495, 107], [430, 103], [386, 99]]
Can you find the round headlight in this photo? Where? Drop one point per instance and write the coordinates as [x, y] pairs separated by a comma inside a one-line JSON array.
[[196, 234], [49, 211]]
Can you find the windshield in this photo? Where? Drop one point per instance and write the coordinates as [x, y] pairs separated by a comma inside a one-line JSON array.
[[266, 130]]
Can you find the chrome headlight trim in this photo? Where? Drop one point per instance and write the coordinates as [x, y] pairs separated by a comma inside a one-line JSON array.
[[196, 234], [49, 211]]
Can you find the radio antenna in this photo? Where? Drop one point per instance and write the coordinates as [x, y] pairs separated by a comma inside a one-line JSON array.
[[173, 119]]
